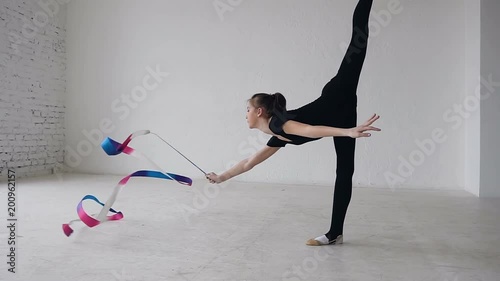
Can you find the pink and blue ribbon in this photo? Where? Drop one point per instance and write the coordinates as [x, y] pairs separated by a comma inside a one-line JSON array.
[[112, 148]]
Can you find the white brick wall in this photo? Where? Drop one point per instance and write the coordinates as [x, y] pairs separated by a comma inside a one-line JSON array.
[[32, 87]]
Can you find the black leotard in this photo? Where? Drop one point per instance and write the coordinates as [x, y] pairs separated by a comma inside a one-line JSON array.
[[335, 107]]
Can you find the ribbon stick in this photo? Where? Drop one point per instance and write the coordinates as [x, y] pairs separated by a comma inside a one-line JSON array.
[[112, 147]]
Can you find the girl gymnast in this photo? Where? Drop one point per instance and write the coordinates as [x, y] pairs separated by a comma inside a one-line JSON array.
[[333, 114]]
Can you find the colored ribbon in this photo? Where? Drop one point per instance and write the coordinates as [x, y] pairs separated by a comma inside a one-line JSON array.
[[112, 147]]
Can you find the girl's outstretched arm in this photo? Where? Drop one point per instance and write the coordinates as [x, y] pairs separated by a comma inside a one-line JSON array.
[[244, 165], [311, 131]]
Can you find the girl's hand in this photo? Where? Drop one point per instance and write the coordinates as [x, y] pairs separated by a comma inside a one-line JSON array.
[[213, 178], [359, 131]]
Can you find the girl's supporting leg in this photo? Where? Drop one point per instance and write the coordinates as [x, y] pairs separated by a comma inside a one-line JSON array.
[[345, 148]]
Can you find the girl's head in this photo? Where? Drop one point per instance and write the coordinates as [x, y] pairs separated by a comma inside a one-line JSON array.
[[264, 106]]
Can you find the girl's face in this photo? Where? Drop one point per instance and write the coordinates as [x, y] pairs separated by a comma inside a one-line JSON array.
[[252, 115]]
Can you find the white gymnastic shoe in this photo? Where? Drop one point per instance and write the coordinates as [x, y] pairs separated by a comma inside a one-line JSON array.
[[323, 240]]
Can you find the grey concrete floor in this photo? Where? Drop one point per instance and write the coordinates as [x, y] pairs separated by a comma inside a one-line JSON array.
[[240, 231]]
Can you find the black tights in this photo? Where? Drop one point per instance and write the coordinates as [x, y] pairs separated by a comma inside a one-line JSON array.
[[341, 91], [336, 107]]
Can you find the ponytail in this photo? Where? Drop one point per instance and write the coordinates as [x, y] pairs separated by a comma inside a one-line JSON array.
[[274, 105], [279, 104]]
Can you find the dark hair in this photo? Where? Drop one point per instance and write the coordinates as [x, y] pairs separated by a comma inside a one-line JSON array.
[[274, 105]]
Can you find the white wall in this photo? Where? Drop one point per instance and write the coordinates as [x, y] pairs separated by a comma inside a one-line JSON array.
[[413, 75], [32, 87], [473, 87], [490, 106]]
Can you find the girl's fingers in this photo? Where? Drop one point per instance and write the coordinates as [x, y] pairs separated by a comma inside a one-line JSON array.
[[371, 120], [369, 128], [374, 118]]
